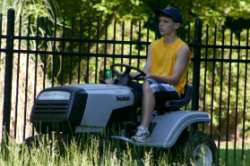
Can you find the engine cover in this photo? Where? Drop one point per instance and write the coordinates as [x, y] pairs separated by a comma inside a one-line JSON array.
[[86, 106]]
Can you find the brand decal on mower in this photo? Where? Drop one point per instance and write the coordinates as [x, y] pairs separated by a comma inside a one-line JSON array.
[[122, 98]]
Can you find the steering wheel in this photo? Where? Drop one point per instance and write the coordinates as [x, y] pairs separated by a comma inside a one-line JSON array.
[[124, 77]]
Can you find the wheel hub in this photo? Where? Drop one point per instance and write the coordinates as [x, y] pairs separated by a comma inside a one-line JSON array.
[[202, 155]]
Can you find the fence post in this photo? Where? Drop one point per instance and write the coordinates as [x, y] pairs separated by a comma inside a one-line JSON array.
[[196, 63], [8, 73]]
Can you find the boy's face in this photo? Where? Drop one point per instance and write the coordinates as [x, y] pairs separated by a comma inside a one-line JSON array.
[[167, 25]]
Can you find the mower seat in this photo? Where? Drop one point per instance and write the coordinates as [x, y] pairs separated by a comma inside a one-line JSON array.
[[183, 101]]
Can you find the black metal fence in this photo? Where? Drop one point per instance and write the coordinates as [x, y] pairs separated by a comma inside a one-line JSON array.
[[50, 53], [224, 88]]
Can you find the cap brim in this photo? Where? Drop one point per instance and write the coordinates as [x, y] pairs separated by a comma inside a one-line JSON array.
[[160, 12]]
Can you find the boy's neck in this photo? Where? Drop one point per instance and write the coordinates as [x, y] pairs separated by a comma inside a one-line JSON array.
[[170, 38]]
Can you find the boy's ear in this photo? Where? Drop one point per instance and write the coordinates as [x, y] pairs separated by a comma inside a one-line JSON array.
[[177, 25]]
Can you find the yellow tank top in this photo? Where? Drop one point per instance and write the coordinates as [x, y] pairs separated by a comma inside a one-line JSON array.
[[163, 59]]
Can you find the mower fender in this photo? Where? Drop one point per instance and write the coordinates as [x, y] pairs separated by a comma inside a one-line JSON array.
[[169, 126]]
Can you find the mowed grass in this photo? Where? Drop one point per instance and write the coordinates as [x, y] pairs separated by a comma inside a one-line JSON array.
[[95, 150], [234, 158]]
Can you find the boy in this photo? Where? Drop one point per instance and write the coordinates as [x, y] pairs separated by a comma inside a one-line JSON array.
[[166, 68]]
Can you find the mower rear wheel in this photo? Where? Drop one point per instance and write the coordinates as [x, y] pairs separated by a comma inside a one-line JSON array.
[[200, 149]]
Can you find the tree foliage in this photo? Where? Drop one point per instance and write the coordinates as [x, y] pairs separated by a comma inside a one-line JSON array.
[[212, 11]]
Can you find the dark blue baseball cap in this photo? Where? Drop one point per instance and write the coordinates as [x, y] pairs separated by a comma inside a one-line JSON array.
[[171, 12]]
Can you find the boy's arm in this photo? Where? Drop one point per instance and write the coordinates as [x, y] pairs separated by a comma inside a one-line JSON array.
[[146, 66], [148, 61]]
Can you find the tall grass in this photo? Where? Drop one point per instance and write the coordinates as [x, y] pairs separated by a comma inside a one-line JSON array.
[[90, 150], [87, 150]]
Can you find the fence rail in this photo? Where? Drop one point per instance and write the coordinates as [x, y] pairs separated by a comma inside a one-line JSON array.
[[47, 54]]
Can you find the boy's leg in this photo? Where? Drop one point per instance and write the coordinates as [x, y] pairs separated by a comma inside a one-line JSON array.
[[148, 105], [150, 89]]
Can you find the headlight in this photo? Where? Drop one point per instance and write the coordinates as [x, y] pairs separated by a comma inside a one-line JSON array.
[[54, 95]]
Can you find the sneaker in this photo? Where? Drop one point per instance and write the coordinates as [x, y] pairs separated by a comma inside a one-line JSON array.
[[141, 134]]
